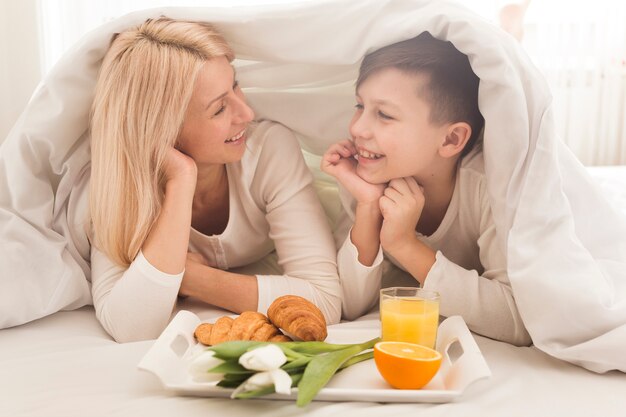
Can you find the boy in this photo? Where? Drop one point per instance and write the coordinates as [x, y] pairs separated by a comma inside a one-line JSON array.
[[418, 188]]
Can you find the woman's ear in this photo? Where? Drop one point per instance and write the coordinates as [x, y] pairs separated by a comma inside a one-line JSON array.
[[456, 138]]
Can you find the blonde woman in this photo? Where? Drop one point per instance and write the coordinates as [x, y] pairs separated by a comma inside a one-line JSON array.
[[184, 187]]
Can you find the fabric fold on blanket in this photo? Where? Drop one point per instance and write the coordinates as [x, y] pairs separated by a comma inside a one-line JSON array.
[[566, 245]]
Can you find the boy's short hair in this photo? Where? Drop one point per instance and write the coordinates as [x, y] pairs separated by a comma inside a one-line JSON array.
[[453, 87]]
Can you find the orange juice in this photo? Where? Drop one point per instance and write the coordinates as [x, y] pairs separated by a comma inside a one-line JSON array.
[[410, 319]]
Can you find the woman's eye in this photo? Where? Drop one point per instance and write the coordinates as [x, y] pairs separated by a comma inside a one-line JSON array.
[[358, 106], [220, 111], [384, 116], [235, 85]]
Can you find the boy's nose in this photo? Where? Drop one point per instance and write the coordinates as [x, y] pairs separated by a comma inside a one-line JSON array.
[[359, 127]]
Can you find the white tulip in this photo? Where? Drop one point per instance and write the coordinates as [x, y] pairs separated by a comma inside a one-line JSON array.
[[277, 377], [200, 365], [264, 358]]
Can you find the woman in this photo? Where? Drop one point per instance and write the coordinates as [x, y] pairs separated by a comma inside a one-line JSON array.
[[184, 187]]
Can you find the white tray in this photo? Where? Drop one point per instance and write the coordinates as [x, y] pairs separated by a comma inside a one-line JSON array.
[[462, 364]]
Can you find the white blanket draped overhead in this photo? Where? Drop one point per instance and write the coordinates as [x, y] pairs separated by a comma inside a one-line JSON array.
[[566, 245]]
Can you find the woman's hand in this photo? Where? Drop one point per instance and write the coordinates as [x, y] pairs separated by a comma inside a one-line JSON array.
[[339, 162], [166, 245], [401, 207], [180, 167]]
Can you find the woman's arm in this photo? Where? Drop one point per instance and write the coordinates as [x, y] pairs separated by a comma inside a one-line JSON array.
[[282, 186], [227, 290], [166, 245], [298, 227], [135, 303]]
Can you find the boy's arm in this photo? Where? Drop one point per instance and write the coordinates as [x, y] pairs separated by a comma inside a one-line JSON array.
[[360, 284], [485, 301], [339, 162], [401, 206], [416, 258], [359, 259], [365, 233]]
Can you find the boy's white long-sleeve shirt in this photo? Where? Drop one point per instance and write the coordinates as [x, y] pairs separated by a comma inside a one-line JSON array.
[[470, 271], [273, 206]]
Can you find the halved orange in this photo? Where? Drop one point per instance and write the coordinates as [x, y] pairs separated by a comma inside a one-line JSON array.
[[406, 365]]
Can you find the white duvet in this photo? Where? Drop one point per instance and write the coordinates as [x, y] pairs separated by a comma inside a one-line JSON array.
[[566, 245]]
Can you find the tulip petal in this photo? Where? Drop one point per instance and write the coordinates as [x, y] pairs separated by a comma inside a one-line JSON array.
[[264, 358], [277, 377], [282, 381], [201, 363]]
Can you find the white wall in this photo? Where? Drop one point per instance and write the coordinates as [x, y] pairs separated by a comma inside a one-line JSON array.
[[20, 69]]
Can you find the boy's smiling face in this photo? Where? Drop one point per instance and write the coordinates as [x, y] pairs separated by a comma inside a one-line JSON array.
[[391, 128]]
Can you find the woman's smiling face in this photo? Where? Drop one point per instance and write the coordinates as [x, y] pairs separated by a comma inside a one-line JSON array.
[[391, 127], [214, 130]]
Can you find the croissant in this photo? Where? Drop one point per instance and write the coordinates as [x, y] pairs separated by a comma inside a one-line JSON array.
[[298, 317], [250, 325]]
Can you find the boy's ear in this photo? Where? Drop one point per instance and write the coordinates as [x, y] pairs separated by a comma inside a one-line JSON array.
[[456, 138]]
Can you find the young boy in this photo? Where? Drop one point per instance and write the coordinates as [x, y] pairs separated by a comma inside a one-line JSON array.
[[418, 188]]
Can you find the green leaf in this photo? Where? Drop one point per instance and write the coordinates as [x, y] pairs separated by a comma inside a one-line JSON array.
[[314, 348], [291, 353], [230, 367], [256, 393], [322, 368], [233, 350], [356, 359], [236, 377], [319, 371], [228, 384], [297, 363]]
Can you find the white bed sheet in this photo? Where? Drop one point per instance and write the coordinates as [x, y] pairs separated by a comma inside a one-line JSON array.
[[66, 365]]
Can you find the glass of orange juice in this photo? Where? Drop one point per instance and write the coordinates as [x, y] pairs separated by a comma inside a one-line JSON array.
[[409, 314]]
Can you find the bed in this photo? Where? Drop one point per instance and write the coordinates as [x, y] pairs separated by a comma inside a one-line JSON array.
[[65, 364]]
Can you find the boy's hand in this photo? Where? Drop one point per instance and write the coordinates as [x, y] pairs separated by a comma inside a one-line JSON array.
[[339, 162], [401, 207]]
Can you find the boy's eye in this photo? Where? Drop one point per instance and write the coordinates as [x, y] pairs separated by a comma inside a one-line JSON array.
[[384, 116], [235, 85]]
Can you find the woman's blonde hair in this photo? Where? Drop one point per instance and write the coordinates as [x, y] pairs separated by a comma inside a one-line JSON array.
[[145, 84]]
